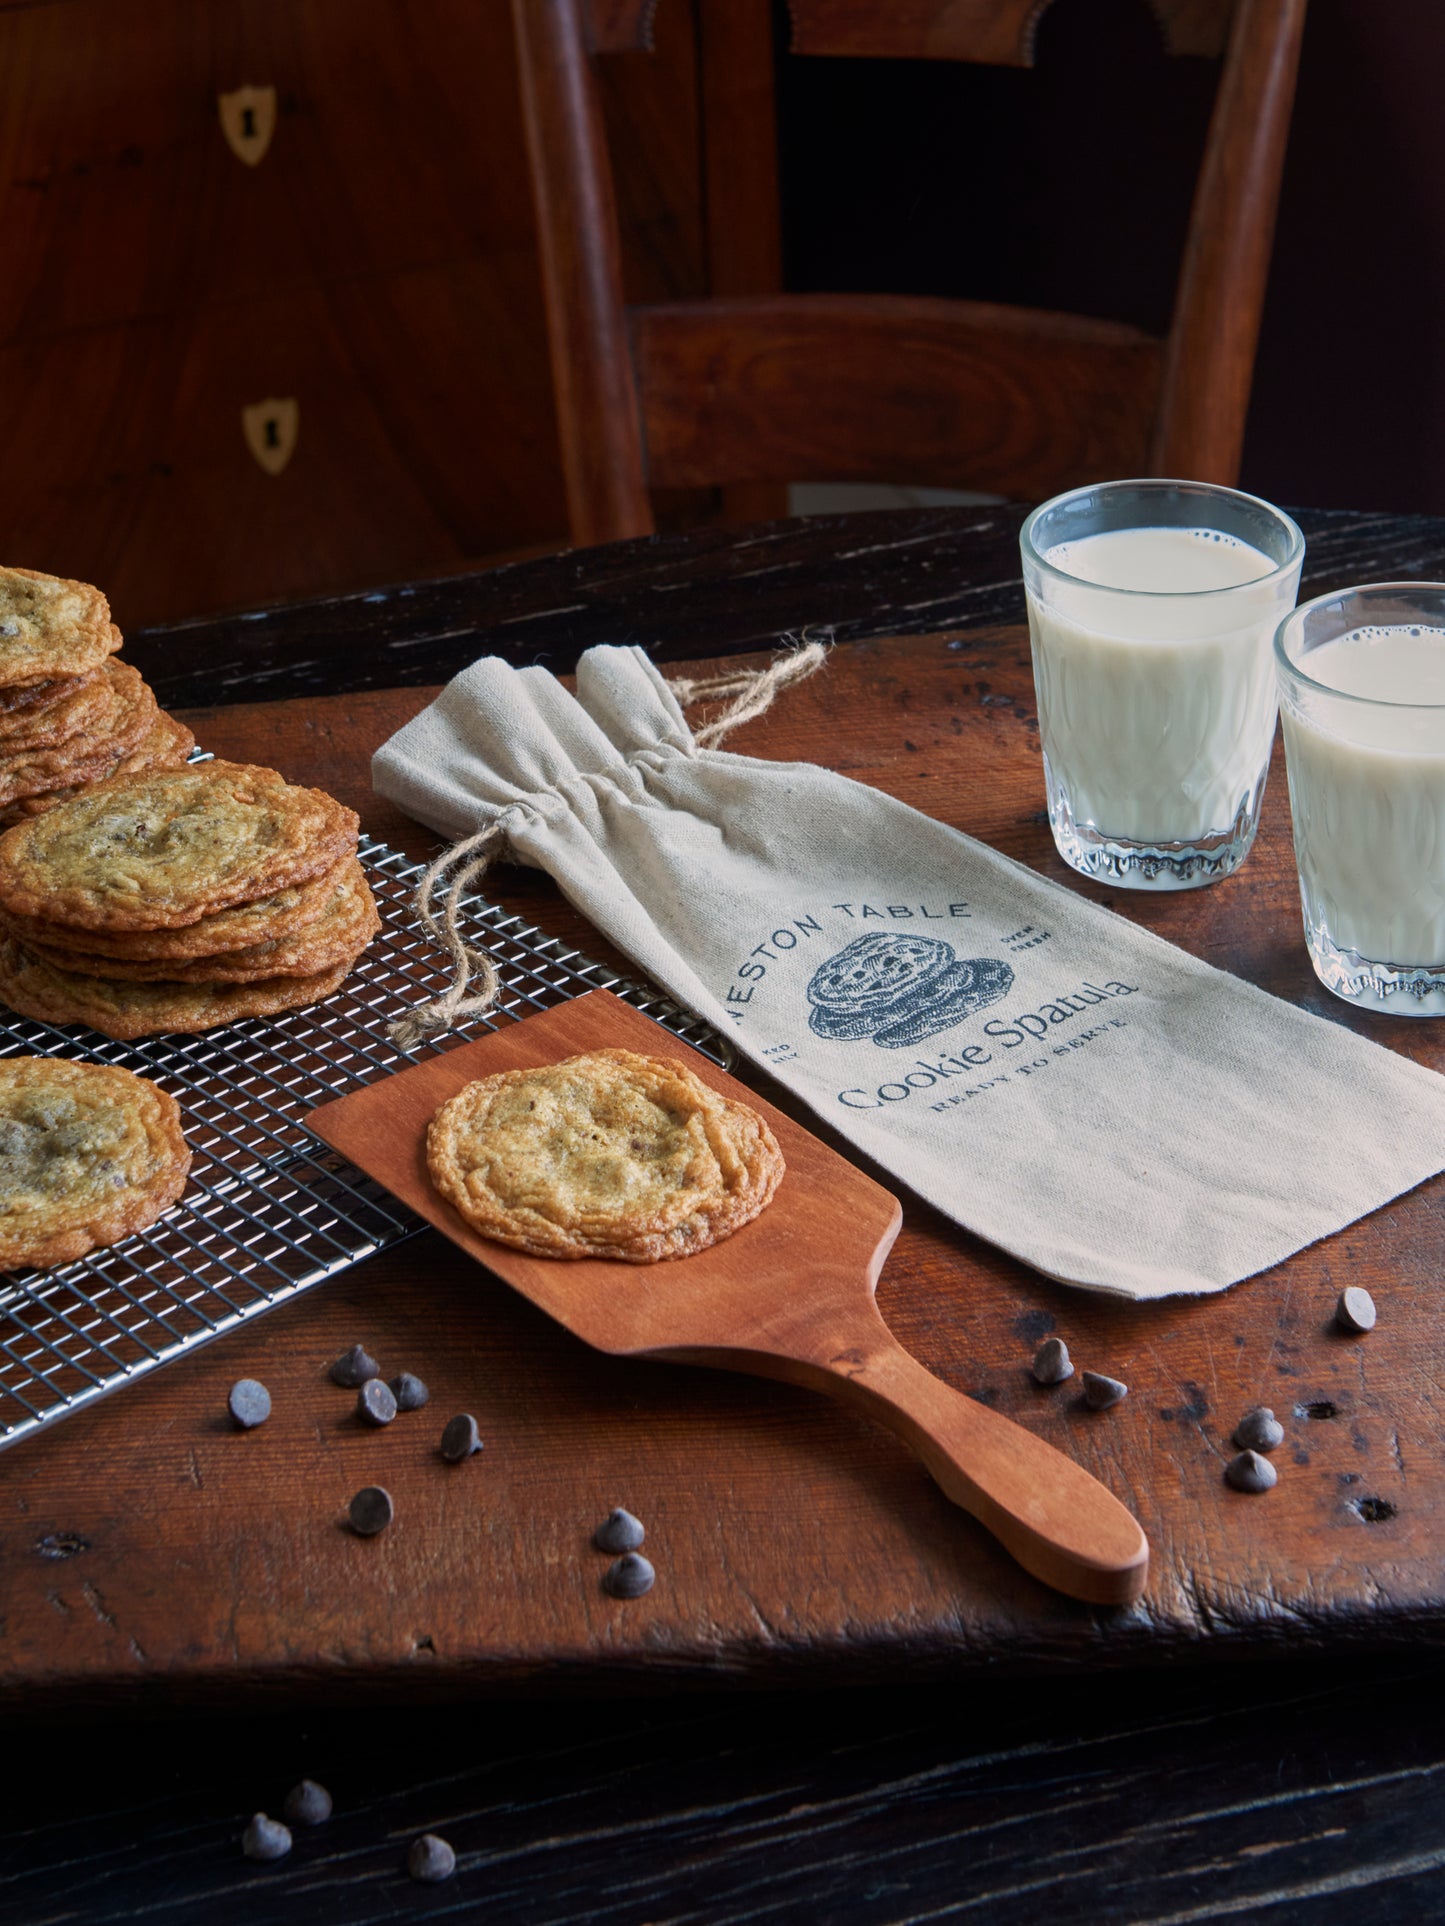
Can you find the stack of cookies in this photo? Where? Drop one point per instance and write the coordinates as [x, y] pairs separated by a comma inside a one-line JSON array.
[[69, 713], [178, 899]]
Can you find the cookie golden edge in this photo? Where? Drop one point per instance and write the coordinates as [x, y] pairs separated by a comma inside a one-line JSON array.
[[242, 927], [343, 927], [166, 745], [128, 1011], [129, 714], [762, 1160], [138, 1206], [74, 650], [81, 705], [322, 833]]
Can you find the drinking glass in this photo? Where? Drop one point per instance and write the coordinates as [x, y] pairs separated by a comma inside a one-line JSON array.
[[1362, 699], [1152, 607]]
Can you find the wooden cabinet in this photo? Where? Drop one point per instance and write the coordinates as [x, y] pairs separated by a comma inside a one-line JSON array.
[[377, 267]]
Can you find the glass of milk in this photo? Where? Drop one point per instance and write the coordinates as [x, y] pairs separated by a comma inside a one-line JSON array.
[[1152, 610], [1362, 698]]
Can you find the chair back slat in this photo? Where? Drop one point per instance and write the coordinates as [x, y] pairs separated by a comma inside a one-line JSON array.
[[996, 33], [1209, 367], [598, 420], [935, 393], [752, 388], [618, 26]]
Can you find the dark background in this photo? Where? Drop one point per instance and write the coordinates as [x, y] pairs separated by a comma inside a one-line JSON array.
[[379, 265], [1067, 186]]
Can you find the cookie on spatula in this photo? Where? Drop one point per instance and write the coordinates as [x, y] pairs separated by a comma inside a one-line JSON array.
[[606, 1154]]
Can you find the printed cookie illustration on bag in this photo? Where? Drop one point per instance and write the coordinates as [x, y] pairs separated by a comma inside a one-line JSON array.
[[898, 990]]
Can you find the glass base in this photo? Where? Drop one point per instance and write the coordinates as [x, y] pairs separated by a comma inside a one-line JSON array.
[[1137, 865], [1393, 989]]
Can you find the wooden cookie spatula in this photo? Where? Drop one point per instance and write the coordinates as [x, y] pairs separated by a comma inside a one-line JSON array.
[[790, 1296]]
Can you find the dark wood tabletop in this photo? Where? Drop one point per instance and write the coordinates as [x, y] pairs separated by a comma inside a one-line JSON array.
[[1040, 1770]]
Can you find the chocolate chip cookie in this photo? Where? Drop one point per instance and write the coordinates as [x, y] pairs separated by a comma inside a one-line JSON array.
[[608, 1154], [89, 1153]]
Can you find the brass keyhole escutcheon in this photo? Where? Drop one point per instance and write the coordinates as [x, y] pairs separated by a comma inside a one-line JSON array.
[[270, 428], [248, 120]]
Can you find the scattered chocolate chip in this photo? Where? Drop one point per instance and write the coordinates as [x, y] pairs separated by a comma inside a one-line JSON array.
[[1259, 1430], [370, 1511], [1250, 1472], [629, 1576], [374, 1402], [430, 1859], [249, 1403], [619, 1532], [307, 1804], [1355, 1310], [460, 1438], [1100, 1392], [409, 1391], [354, 1367], [1051, 1362], [265, 1838]]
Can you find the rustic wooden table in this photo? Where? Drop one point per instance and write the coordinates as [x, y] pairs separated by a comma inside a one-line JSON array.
[[153, 1563]]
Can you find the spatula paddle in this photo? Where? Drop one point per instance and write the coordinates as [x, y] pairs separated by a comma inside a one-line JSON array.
[[790, 1296]]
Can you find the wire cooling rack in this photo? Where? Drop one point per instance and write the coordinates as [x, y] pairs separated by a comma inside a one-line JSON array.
[[269, 1210]]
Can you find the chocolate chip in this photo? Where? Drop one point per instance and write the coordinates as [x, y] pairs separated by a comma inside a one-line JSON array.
[[1100, 1392], [1250, 1472], [409, 1391], [629, 1576], [430, 1859], [249, 1403], [1051, 1362], [1259, 1430], [370, 1511], [619, 1532], [265, 1838], [374, 1402], [308, 1804], [460, 1439], [354, 1367], [1355, 1311]]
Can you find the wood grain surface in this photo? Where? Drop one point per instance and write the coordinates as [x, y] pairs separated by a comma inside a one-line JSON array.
[[379, 265], [1296, 1795], [710, 592], [980, 396], [793, 1539]]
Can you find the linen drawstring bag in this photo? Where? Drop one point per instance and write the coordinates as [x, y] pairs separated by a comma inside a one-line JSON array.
[[1106, 1107]]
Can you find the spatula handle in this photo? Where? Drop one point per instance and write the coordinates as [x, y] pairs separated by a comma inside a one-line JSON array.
[[1058, 1521]]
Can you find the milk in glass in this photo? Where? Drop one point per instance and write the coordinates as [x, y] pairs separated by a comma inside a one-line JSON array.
[[1367, 792], [1156, 697]]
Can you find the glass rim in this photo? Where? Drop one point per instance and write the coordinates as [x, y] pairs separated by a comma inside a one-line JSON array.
[[1297, 674], [1292, 560]]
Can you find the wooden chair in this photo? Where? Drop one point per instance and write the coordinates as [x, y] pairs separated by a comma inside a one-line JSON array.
[[824, 387]]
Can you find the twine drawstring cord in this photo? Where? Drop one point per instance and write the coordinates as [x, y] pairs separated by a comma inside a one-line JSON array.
[[453, 1006], [752, 693]]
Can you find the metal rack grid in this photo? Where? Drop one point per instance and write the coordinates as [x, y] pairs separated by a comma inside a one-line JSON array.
[[269, 1210]]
